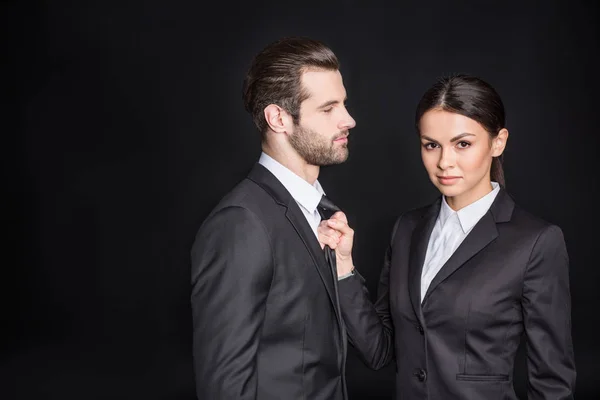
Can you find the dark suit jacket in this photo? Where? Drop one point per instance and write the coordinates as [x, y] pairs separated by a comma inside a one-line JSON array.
[[509, 276], [266, 316]]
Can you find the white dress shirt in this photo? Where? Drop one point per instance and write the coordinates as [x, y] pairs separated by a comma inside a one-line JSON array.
[[306, 195], [451, 228]]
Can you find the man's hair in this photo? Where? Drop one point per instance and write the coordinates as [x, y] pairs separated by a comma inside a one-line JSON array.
[[274, 77]]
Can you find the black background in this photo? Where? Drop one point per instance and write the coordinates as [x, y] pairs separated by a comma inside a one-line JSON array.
[[123, 125]]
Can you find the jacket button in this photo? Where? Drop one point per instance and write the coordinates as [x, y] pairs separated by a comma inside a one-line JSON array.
[[420, 374], [421, 331]]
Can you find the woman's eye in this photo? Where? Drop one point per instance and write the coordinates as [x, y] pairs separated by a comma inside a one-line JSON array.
[[463, 145], [430, 146]]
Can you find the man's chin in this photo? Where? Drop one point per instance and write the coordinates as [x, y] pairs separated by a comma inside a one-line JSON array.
[[335, 161]]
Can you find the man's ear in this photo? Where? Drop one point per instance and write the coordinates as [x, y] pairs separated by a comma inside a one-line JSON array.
[[499, 143], [277, 118]]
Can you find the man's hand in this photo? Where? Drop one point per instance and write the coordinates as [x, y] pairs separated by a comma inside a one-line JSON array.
[[336, 233]]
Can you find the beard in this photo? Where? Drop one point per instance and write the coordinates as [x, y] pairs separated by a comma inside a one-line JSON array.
[[318, 150]]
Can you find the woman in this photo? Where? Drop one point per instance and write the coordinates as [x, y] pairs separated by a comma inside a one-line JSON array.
[[464, 277]]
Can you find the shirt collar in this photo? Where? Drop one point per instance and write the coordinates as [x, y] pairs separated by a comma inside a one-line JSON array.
[[307, 195], [468, 216]]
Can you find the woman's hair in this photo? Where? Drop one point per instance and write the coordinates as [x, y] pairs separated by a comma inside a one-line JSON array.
[[472, 97]]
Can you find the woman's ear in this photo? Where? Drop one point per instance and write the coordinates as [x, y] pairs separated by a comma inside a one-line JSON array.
[[499, 143]]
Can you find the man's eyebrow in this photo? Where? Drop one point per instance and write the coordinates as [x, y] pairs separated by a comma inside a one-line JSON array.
[[330, 103]]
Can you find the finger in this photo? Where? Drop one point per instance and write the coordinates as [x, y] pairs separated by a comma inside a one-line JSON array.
[[327, 230], [329, 240], [333, 233], [339, 215], [340, 226]]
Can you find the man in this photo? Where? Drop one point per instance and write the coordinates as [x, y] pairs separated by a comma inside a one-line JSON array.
[[266, 317]]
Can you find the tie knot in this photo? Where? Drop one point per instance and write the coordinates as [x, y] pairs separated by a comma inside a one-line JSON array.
[[326, 207]]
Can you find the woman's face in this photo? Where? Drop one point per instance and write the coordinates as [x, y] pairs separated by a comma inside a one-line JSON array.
[[457, 153]]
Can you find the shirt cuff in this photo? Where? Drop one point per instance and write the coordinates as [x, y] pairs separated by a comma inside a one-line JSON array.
[[349, 274]]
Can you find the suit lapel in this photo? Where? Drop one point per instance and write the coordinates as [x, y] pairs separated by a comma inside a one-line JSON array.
[[271, 184], [298, 220], [418, 248], [482, 234]]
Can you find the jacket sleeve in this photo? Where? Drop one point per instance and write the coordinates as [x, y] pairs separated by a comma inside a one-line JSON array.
[[547, 317], [232, 269], [369, 326]]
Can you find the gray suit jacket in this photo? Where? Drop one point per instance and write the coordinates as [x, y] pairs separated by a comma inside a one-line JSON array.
[[266, 316], [509, 276]]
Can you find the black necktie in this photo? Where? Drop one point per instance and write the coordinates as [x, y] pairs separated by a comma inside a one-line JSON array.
[[326, 209]]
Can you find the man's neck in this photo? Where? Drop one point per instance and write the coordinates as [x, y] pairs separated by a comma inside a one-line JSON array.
[[294, 163]]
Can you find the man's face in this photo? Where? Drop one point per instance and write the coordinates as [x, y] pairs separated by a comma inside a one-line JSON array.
[[321, 136]]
